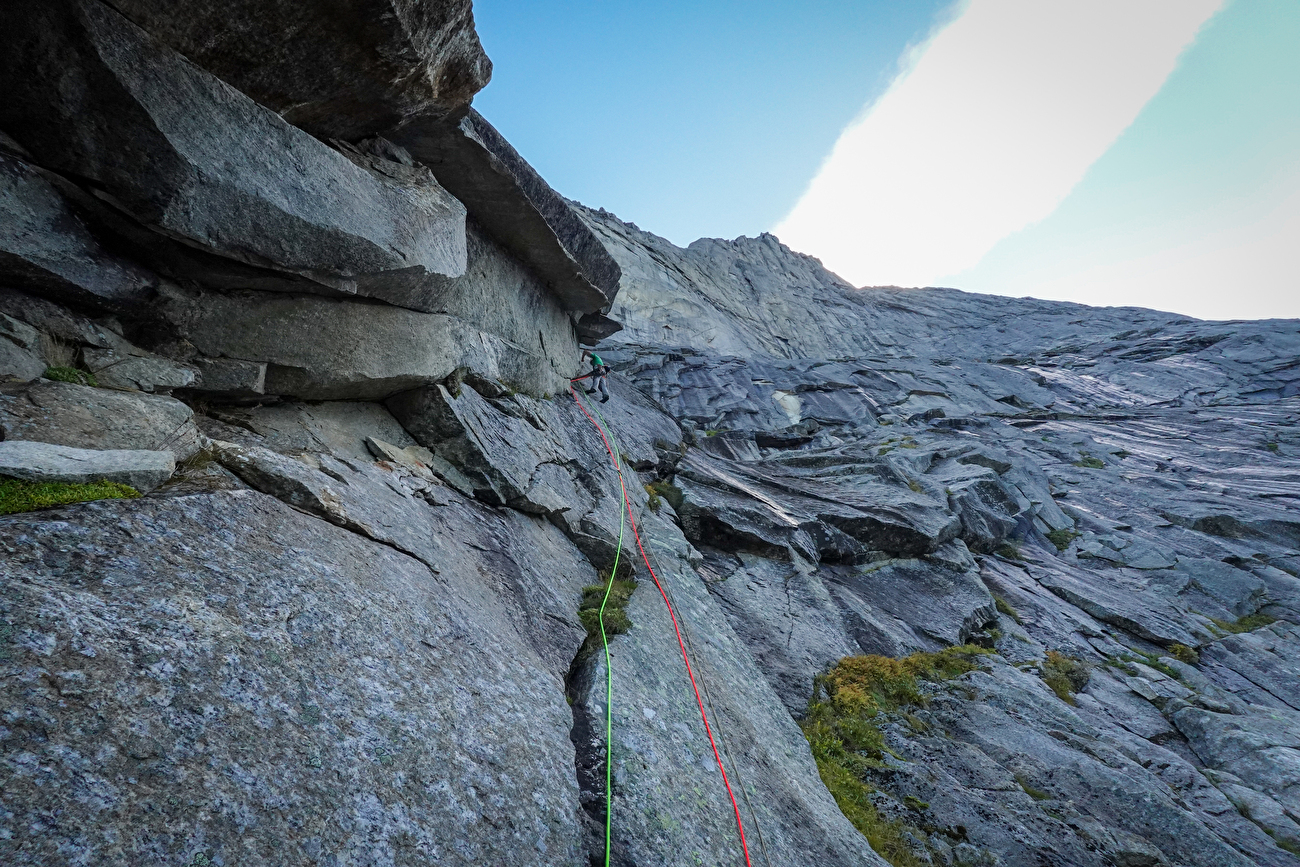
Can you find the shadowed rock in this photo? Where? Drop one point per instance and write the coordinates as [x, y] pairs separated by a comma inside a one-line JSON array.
[[339, 70], [93, 97], [45, 246]]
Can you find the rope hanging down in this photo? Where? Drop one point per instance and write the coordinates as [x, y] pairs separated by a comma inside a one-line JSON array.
[[609, 695], [708, 730], [700, 675]]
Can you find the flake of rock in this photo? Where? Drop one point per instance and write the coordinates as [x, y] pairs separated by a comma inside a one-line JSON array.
[[1116, 599], [142, 372], [45, 247], [340, 428], [324, 349], [231, 376], [516, 206], [94, 418], [19, 350], [1264, 663], [42, 462]]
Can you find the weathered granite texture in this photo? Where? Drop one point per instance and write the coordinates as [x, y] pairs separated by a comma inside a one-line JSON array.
[[346, 629], [1122, 482], [314, 696]]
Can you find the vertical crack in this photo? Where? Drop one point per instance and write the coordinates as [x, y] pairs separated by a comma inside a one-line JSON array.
[[583, 689]]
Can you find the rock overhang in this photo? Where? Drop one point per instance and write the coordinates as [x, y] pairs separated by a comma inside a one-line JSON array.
[[412, 69], [516, 205], [238, 188]]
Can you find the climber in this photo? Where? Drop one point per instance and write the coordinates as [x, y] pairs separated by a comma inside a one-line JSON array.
[[599, 374]]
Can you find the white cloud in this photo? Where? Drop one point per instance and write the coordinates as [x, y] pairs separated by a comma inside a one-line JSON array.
[[1230, 271], [1001, 115]]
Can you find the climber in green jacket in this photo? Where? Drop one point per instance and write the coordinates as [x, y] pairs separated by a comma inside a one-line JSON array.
[[599, 374]]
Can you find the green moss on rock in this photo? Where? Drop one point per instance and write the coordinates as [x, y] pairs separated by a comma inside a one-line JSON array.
[[1062, 538], [593, 596], [70, 374], [1249, 623], [1066, 675], [17, 495], [842, 728]]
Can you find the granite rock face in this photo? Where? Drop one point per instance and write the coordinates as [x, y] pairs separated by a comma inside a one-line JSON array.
[[348, 623], [1122, 483], [307, 699]]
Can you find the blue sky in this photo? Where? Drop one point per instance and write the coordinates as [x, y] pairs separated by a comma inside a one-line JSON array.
[[690, 119], [1111, 152]]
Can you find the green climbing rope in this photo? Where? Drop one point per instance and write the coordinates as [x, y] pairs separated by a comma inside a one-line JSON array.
[[609, 692], [615, 455]]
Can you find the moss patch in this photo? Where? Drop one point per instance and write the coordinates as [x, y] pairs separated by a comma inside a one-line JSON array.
[[70, 374], [19, 496], [1183, 653], [1066, 675], [616, 620], [1036, 794], [1090, 462], [1009, 550], [1062, 538], [842, 728], [1249, 623], [1005, 607]]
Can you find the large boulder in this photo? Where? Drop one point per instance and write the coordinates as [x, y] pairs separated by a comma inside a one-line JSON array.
[[93, 97], [337, 70]]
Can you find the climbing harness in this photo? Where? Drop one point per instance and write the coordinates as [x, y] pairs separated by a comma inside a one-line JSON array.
[[708, 730]]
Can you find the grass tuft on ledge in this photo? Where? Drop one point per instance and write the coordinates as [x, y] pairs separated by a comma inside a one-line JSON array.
[[70, 374], [616, 620], [17, 495], [1249, 623]]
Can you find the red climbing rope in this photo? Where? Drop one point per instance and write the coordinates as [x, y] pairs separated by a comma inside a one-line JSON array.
[[691, 674]]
